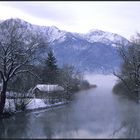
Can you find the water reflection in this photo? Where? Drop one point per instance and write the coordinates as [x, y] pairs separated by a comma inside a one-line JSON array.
[[95, 113], [129, 116], [10, 127]]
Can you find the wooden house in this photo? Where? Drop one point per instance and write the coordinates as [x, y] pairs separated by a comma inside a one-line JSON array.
[[44, 91]]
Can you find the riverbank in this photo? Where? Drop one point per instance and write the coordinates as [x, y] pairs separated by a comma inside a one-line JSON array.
[[34, 105], [38, 110]]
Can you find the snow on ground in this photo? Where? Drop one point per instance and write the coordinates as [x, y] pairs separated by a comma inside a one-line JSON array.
[[39, 103], [36, 103], [33, 104], [9, 105]]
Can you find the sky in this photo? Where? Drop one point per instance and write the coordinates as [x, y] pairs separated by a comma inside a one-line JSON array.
[[78, 16]]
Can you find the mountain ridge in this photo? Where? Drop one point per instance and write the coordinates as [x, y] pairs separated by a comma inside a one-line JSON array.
[[93, 51]]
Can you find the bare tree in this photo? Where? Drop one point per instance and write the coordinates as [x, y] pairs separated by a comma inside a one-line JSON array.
[[17, 49], [130, 70], [69, 78]]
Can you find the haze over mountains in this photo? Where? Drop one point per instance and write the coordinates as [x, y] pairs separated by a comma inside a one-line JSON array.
[[95, 51]]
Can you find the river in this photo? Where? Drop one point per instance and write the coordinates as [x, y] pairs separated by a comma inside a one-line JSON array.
[[94, 113]]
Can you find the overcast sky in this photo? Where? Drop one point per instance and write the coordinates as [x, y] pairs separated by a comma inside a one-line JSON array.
[[117, 17]]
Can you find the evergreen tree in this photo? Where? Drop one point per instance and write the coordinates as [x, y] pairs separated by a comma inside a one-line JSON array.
[[50, 70]]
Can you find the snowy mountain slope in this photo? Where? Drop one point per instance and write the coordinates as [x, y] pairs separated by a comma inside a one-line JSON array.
[[93, 51], [104, 37]]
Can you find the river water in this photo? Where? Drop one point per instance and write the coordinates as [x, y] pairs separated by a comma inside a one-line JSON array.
[[94, 113]]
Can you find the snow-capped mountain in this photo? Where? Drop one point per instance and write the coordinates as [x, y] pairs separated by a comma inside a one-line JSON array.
[[93, 51], [108, 38]]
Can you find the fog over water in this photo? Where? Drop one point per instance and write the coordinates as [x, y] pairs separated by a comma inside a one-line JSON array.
[[100, 80], [94, 113]]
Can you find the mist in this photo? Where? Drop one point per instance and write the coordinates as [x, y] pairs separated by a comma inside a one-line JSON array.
[[94, 113], [101, 80]]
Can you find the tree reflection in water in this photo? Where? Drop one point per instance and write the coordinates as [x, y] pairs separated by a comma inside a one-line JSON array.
[[129, 116], [14, 127]]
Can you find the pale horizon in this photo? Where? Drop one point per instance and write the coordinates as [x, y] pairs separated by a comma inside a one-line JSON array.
[[116, 17]]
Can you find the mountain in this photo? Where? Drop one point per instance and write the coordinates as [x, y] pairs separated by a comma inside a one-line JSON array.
[[95, 51]]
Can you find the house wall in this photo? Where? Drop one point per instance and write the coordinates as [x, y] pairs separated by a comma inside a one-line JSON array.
[[52, 95]]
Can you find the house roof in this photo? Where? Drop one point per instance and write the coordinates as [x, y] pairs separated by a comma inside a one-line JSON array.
[[49, 88]]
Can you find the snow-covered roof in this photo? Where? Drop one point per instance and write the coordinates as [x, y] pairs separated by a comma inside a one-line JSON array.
[[49, 88]]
